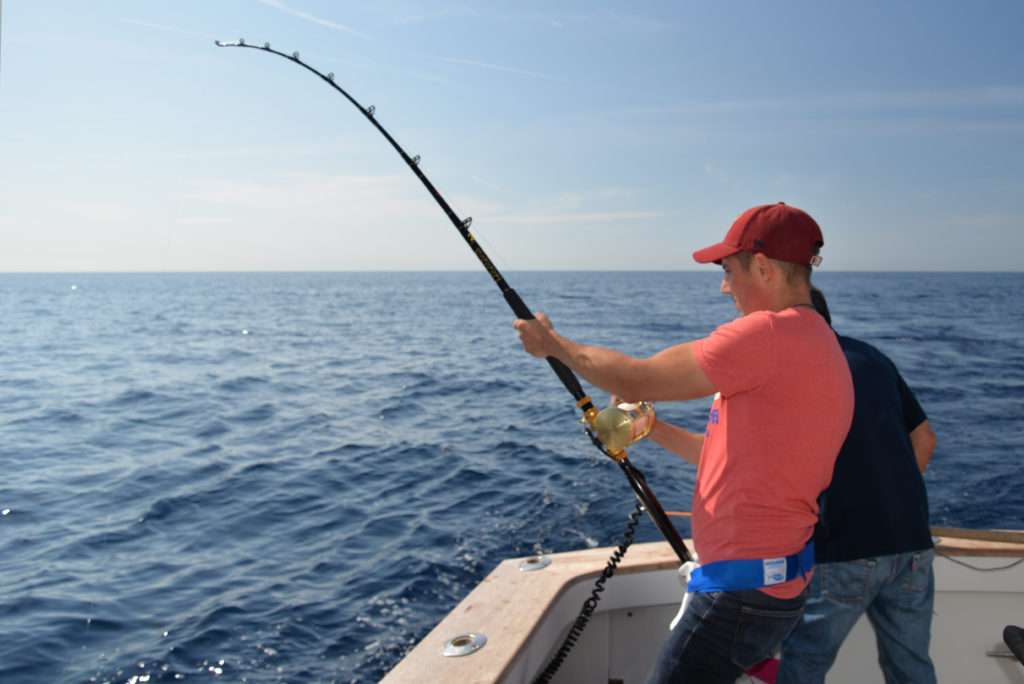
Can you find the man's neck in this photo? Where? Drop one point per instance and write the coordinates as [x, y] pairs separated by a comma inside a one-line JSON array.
[[789, 297]]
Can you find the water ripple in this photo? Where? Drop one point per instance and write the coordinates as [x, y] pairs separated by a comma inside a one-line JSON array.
[[304, 502]]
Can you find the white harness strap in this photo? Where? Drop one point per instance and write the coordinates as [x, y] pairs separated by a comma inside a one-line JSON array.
[[685, 570]]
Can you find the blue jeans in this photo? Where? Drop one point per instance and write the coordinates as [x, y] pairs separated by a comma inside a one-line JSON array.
[[723, 633], [896, 591]]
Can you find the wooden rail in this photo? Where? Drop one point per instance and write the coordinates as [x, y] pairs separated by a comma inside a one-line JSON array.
[[1001, 536]]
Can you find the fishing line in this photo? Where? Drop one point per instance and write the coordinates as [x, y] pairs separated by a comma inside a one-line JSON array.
[[636, 479]]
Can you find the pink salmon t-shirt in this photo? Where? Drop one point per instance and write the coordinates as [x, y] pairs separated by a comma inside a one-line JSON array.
[[782, 411]]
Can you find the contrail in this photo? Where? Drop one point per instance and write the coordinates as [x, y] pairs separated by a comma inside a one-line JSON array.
[[277, 4]]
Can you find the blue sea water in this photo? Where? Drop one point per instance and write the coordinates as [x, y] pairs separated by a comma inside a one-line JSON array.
[[292, 477]]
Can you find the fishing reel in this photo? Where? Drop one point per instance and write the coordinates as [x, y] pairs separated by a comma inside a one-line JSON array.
[[619, 425]]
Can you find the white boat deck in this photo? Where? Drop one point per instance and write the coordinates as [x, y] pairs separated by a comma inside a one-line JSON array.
[[524, 616]]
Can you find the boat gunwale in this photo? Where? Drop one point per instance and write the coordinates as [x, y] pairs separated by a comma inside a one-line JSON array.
[[510, 606]]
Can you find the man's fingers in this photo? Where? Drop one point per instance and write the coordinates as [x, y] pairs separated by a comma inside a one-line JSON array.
[[539, 317]]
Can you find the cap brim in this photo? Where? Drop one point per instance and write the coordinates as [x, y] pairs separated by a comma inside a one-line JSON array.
[[714, 253]]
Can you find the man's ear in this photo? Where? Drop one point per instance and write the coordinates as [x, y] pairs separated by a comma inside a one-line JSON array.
[[762, 267]]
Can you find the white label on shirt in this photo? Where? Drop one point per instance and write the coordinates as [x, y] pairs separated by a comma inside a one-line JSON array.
[[774, 571]]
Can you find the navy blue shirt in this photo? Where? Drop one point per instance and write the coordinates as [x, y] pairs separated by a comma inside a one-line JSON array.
[[876, 504]]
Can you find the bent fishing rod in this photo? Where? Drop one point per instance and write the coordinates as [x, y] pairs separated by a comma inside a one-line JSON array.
[[583, 402]]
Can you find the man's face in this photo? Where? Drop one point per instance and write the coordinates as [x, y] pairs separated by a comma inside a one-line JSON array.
[[738, 283]]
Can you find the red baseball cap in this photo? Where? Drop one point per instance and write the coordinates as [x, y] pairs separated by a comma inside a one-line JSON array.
[[778, 231]]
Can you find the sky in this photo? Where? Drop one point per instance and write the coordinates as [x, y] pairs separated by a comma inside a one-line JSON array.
[[578, 135]]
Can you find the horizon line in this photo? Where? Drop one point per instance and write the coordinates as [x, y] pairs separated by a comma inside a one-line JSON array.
[[473, 270]]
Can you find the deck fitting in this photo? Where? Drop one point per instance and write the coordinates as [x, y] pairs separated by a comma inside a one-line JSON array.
[[534, 563], [463, 645]]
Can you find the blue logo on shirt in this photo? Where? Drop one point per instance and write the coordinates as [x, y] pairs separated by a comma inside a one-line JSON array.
[[712, 420]]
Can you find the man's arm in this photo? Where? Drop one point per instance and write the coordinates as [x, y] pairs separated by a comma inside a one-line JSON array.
[[683, 443], [922, 438], [670, 375]]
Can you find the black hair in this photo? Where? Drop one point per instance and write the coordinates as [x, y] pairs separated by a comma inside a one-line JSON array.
[[820, 305]]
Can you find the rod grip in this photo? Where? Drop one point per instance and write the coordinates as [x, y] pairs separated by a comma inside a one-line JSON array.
[[518, 306], [567, 377]]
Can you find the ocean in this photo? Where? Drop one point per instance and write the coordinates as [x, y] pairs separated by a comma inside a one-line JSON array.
[[284, 477]]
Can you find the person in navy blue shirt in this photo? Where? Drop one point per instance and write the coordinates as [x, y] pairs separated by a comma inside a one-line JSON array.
[[873, 546]]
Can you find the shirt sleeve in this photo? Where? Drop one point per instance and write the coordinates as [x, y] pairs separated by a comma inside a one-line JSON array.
[[738, 356], [913, 414]]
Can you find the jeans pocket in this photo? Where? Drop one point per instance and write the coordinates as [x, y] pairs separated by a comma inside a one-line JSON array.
[[846, 582], [917, 575], [760, 632]]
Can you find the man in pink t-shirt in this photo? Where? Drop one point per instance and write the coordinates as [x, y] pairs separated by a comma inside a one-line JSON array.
[[783, 403]]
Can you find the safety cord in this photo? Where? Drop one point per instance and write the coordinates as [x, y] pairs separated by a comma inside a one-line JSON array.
[[978, 568], [590, 605]]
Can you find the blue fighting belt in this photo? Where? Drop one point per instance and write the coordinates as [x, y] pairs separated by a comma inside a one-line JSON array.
[[737, 575]]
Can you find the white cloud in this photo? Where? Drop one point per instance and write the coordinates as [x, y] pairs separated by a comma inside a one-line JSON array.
[[485, 183], [101, 212], [320, 196], [204, 221], [716, 172], [165, 28], [987, 220], [964, 98]]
